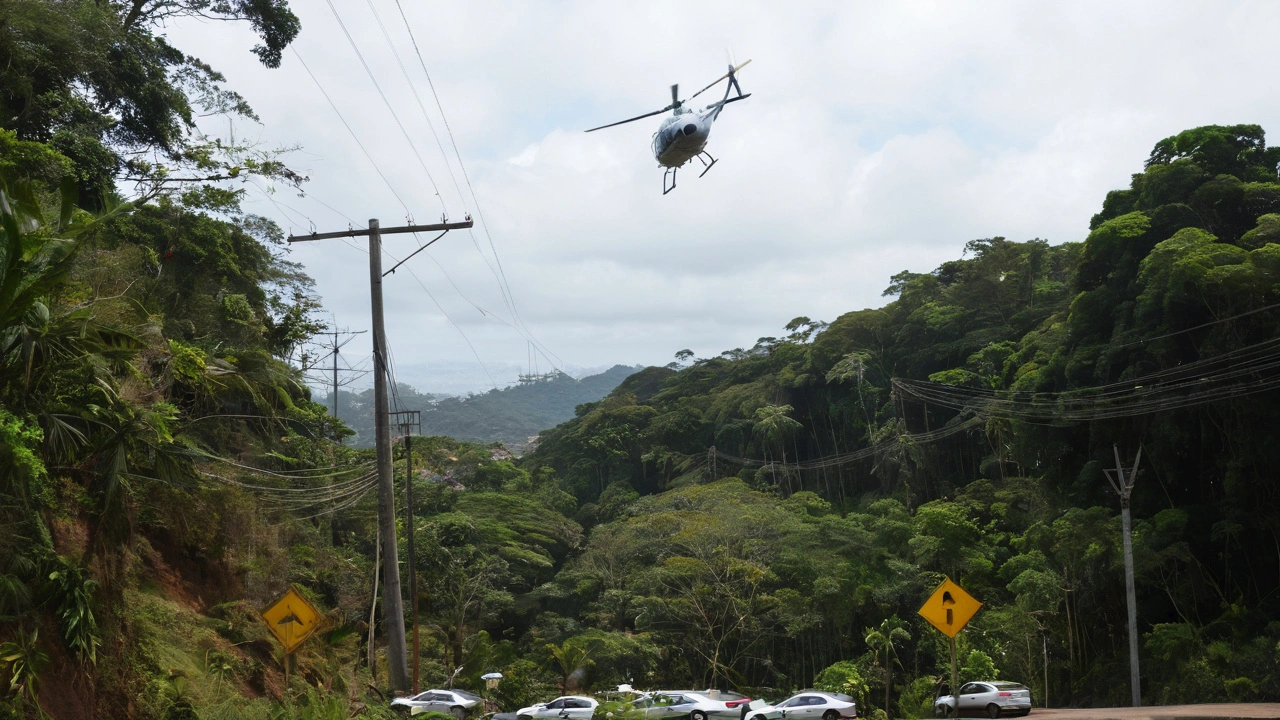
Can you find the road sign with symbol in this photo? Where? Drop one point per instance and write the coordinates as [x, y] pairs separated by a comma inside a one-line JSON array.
[[291, 619], [949, 608]]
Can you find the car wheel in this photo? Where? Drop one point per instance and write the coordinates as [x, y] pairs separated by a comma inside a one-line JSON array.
[[993, 710], [458, 711], [697, 715], [830, 715]]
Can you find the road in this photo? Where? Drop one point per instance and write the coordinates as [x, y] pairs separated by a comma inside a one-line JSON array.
[[1164, 712]]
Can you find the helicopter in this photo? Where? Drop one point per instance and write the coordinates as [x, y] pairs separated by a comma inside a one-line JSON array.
[[683, 136]]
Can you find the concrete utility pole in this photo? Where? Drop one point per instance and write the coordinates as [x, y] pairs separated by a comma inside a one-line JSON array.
[[392, 601], [1123, 485]]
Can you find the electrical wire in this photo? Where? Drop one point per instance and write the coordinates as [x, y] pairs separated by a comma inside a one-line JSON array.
[[351, 131], [373, 79], [837, 460], [422, 107], [500, 273], [1237, 373], [455, 325]]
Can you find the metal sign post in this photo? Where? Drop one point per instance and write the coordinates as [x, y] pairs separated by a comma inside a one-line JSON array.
[[292, 620], [949, 609]]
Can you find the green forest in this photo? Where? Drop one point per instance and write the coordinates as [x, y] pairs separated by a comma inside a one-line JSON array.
[[764, 520], [511, 415]]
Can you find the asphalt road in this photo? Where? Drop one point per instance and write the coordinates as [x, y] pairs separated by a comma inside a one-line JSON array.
[[1163, 712]]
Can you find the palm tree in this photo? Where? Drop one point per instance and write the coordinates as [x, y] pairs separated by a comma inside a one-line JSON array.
[[569, 657], [884, 638], [774, 426]]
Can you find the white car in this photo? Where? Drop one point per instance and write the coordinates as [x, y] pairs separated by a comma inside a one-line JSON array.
[[577, 707], [807, 705], [716, 704], [454, 702], [990, 698]]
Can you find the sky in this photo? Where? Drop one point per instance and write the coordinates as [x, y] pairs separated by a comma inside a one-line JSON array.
[[880, 137]]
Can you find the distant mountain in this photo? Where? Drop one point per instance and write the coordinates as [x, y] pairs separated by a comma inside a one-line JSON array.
[[511, 415]]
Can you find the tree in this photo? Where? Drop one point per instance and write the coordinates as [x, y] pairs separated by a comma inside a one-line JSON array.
[[883, 641], [94, 80], [774, 428]]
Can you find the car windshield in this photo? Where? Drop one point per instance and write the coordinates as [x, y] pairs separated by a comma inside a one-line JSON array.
[[466, 695]]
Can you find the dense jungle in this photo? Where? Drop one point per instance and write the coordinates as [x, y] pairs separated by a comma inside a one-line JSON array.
[[764, 520]]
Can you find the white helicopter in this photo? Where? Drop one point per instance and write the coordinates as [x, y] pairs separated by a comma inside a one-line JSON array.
[[683, 136]]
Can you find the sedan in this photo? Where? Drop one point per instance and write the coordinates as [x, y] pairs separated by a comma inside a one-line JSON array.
[[577, 707], [808, 705], [990, 698], [716, 704], [662, 705], [454, 702]]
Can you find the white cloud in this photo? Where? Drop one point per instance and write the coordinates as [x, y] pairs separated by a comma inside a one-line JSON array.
[[879, 137]]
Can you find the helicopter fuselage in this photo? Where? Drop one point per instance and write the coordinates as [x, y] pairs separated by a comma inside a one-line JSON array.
[[681, 137]]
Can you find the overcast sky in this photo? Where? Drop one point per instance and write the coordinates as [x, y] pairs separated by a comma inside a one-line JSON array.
[[880, 137]]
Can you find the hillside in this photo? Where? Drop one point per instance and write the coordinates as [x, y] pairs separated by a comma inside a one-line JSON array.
[[818, 485], [510, 415]]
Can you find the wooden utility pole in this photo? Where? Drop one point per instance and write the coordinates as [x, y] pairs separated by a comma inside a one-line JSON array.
[[1123, 485], [392, 601]]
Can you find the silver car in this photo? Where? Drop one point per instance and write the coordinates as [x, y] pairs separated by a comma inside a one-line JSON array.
[[808, 705], [663, 705], [992, 699], [716, 704], [577, 707], [453, 702]]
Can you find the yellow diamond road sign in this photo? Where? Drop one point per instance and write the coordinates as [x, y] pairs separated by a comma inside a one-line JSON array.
[[291, 619], [949, 608]]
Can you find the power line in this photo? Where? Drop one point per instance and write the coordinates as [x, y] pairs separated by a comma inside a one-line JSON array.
[[1237, 373], [349, 130], [387, 102], [413, 89], [455, 325], [500, 273]]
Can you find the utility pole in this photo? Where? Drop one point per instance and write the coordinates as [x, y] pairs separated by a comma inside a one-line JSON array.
[[392, 601], [408, 420], [1123, 485], [335, 348]]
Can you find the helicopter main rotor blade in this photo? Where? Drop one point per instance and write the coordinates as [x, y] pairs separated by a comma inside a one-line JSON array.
[[720, 103], [720, 79], [638, 117]]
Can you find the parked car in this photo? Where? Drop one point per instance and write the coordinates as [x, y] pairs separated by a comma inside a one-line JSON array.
[[990, 698], [807, 705], [716, 704], [454, 702], [577, 707], [661, 705]]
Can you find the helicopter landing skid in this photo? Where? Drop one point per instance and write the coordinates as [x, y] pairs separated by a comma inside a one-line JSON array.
[[670, 173], [704, 162]]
